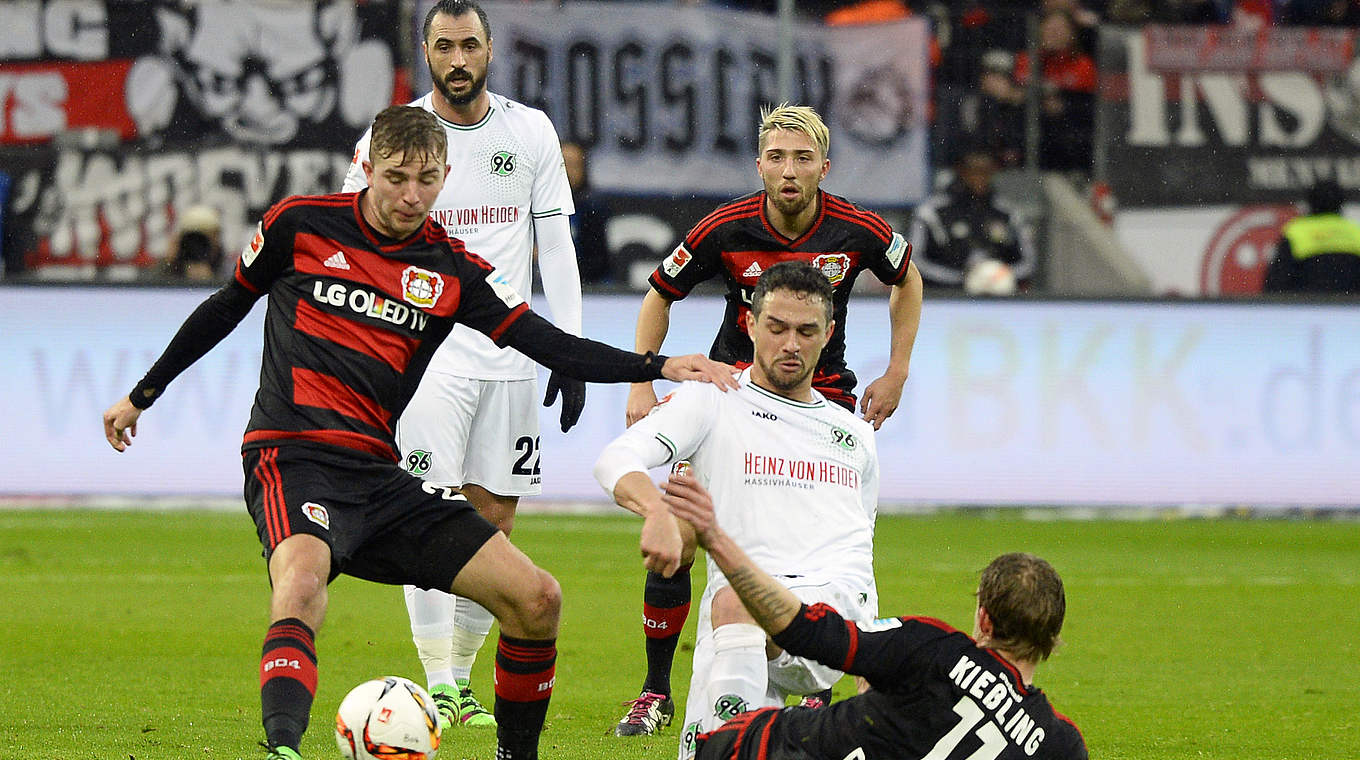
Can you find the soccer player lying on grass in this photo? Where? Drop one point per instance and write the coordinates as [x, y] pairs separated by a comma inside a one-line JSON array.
[[935, 693], [362, 288]]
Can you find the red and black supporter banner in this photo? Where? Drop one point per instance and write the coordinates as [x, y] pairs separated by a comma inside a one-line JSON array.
[[115, 116], [1222, 115]]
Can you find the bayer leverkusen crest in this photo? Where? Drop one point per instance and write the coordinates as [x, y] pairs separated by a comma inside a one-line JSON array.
[[421, 287], [833, 266]]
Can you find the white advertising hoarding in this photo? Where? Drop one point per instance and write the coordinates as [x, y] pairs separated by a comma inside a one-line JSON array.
[[1009, 402]]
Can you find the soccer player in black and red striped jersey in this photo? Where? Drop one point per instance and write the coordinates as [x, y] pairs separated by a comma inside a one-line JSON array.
[[934, 692], [792, 218], [362, 288]]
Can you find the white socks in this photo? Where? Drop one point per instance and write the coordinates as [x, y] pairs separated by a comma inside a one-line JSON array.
[[471, 624], [446, 650], [738, 678]]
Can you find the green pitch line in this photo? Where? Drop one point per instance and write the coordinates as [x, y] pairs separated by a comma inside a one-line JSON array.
[[137, 634]]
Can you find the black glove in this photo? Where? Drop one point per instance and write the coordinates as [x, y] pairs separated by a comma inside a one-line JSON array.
[[573, 398]]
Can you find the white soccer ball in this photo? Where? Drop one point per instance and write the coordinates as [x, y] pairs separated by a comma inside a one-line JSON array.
[[989, 277], [386, 718]]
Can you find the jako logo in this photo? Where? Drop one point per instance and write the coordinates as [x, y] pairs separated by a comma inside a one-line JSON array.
[[765, 415]]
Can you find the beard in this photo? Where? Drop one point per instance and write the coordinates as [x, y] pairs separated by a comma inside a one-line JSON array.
[[790, 206], [781, 381], [478, 85]]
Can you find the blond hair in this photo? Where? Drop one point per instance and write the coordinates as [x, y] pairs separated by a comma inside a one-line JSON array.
[[795, 119], [413, 132]]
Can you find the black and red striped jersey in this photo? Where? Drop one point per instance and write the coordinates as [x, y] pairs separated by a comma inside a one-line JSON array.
[[353, 318], [738, 242], [934, 693]]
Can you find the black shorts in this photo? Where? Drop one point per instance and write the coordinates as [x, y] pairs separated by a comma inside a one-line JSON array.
[[382, 523], [744, 737]]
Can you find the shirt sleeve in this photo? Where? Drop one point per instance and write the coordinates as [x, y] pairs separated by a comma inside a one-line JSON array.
[[560, 275], [697, 258], [889, 261], [883, 651], [212, 321], [551, 193], [269, 254], [672, 431], [355, 180], [490, 304]]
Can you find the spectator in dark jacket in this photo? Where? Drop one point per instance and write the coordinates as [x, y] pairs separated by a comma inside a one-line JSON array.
[[966, 227]]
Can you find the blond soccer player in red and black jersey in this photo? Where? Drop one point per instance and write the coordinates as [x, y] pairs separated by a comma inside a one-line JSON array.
[[362, 288], [933, 691], [792, 218]]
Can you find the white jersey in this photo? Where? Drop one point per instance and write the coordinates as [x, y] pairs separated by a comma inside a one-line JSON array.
[[794, 484], [504, 171]]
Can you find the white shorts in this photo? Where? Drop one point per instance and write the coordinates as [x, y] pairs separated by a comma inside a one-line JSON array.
[[459, 430], [788, 675]]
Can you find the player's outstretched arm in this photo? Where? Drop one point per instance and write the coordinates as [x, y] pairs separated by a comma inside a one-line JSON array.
[[701, 368], [596, 362], [654, 321], [769, 602], [883, 395], [120, 424]]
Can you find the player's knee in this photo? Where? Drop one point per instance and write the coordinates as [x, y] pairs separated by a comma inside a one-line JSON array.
[[727, 608], [299, 583], [537, 608], [548, 601]]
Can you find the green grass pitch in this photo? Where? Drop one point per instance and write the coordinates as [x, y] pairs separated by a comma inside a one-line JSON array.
[[137, 634]]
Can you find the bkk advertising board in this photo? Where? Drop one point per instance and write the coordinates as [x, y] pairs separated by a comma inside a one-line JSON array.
[[1009, 402]]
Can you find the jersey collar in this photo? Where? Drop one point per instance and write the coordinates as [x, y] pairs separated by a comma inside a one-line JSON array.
[[490, 109], [791, 243], [744, 380]]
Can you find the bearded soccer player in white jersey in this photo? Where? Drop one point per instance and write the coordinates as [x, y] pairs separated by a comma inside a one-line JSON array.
[[473, 422], [796, 480]]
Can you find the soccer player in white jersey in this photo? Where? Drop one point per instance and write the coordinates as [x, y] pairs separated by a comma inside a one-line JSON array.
[[796, 480], [473, 422]]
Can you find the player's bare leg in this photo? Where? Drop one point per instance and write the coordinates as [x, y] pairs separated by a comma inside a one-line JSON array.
[[527, 601], [299, 568]]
